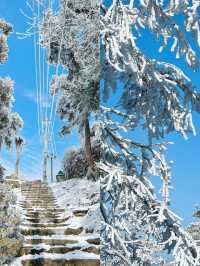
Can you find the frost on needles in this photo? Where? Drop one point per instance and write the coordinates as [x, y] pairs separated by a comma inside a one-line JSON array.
[[158, 97]]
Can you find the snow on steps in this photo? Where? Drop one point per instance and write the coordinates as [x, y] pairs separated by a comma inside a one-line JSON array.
[[49, 238], [78, 258]]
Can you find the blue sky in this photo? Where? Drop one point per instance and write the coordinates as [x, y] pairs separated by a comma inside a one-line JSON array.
[[185, 153], [20, 66]]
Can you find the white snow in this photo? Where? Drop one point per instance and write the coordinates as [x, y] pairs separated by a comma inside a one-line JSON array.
[[73, 195], [64, 237], [19, 198], [79, 255], [79, 194]]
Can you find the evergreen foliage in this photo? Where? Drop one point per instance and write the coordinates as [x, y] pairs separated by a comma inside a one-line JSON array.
[[157, 97], [10, 237], [10, 123], [72, 39]]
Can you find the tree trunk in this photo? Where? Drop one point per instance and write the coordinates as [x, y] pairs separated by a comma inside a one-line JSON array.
[[88, 146], [17, 164]]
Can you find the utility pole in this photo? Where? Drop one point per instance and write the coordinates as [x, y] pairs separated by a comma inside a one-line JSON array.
[[46, 141], [52, 158], [19, 142]]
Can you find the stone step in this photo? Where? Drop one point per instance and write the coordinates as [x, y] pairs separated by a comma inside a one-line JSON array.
[[50, 220], [94, 241], [54, 249], [50, 241], [36, 191], [34, 194], [43, 212], [34, 209], [38, 195], [80, 213], [51, 231], [49, 225], [92, 249], [37, 203], [41, 207], [60, 262], [41, 215], [38, 199], [38, 249]]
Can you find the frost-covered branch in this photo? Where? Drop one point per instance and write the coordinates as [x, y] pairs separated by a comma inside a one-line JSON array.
[[159, 98]]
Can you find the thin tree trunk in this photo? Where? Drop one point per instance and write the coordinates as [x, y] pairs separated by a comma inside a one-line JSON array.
[[17, 165], [88, 146]]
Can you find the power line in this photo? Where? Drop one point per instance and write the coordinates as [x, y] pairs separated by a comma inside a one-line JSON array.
[[36, 69], [39, 66], [46, 120], [57, 69]]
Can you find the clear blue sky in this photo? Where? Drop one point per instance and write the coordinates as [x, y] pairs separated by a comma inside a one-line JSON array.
[[20, 66]]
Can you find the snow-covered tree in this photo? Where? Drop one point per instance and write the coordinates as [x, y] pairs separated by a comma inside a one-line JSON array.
[[194, 228], [10, 122], [71, 36], [5, 30], [155, 96], [74, 162]]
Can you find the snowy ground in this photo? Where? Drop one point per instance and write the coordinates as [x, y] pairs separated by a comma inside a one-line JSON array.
[[79, 194]]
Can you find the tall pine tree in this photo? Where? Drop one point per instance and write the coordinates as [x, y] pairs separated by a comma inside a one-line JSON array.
[[72, 38]]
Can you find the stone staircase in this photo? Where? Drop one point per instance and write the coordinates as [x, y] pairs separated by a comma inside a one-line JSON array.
[[48, 237]]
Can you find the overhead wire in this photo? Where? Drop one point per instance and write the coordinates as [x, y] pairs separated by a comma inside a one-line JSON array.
[[40, 68], [36, 70], [48, 65], [45, 77], [42, 72], [52, 110], [54, 113]]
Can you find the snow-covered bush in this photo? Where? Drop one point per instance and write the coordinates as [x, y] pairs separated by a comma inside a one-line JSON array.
[[75, 163], [10, 237]]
